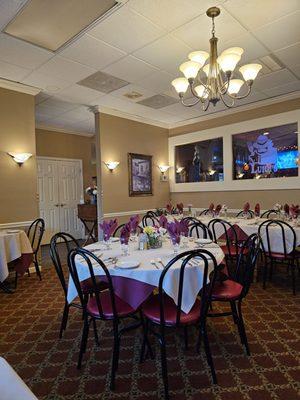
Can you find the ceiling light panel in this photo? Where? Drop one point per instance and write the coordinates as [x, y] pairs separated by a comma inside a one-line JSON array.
[[158, 101], [103, 82], [52, 24]]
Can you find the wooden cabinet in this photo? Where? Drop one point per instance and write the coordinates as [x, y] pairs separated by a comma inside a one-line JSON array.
[[87, 213]]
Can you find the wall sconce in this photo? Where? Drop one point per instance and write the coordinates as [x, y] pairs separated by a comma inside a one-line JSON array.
[[20, 158], [211, 172], [163, 170], [179, 170], [111, 165]]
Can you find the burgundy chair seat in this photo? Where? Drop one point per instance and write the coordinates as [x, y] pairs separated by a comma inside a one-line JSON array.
[[87, 285], [234, 250], [123, 309], [280, 256], [151, 310], [226, 290]]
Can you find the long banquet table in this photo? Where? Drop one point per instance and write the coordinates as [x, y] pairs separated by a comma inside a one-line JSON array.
[[135, 285]]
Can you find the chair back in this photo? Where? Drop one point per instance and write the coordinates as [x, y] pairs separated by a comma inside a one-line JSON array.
[[35, 234], [149, 220], [224, 230], [248, 214], [90, 262], [247, 262], [200, 230], [151, 213], [190, 220], [209, 264], [60, 245], [269, 213], [277, 237], [118, 230], [204, 212]]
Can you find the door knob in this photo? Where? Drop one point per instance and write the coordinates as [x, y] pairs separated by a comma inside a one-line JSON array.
[[56, 205], [62, 204]]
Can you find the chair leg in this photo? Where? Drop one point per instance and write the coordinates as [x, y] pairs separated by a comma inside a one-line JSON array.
[[84, 338], [199, 341], [115, 358], [208, 356], [271, 270], [145, 327], [242, 327], [64, 319], [37, 268], [96, 332], [164, 367], [265, 272]]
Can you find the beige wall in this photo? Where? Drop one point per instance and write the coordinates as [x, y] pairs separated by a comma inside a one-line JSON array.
[[120, 136], [66, 145], [236, 199], [18, 194]]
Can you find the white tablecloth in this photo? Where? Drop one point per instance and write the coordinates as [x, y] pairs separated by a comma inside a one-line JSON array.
[[250, 226], [12, 245], [148, 273]]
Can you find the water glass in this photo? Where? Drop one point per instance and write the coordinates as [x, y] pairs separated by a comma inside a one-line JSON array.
[[125, 249]]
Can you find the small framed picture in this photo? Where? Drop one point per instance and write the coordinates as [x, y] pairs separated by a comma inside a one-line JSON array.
[[140, 174]]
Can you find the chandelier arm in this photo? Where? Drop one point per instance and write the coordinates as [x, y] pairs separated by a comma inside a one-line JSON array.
[[241, 97], [225, 102], [205, 107], [192, 104]]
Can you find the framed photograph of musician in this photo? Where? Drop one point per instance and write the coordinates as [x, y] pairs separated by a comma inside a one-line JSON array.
[[140, 174]]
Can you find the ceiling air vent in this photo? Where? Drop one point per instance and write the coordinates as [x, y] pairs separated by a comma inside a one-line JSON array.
[[133, 95], [54, 24]]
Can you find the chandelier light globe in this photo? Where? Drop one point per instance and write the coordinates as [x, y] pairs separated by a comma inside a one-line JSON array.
[[199, 57], [210, 78], [234, 50], [190, 69], [250, 71], [180, 85], [228, 61], [235, 86], [201, 91]]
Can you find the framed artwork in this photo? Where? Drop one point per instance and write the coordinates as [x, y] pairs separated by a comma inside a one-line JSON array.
[[266, 153], [199, 161], [140, 174]]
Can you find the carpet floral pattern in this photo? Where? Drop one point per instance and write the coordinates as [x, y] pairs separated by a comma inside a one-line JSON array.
[[29, 325]]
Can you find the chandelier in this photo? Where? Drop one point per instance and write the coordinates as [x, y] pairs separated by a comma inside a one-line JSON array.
[[219, 83]]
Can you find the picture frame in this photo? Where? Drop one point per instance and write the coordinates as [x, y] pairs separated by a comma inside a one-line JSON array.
[[140, 175]]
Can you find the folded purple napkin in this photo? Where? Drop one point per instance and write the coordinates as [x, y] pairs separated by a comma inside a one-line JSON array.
[[180, 208], [218, 209], [286, 209], [134, 223], [108, 228], [125, 233], [163, 220], [174, 230], [184, 228], [246, 207]]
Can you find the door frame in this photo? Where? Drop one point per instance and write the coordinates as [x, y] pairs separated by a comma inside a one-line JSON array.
[[81, 176]]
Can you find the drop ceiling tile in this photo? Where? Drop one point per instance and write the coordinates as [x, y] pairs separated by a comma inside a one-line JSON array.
[[48, 84], [197, 33], [103, 82], [170, 14], [78, 114], [283, 89], [130, 69], [256, 13], [13, 72], [67, 70], [132, 88], [8, 9], [273, 79], [127, 30], [92, 52], [184, 112], [280, 33], [158, 81], [253, 49], [252, 98], [20, 53], [296, 70], [158, 101], [166, 53], [290, 55], [78, 94]]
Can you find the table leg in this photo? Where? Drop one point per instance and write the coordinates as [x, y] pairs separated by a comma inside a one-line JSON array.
[[89, 231]]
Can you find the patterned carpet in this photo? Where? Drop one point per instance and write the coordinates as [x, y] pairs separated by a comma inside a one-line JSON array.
[[29, 325]]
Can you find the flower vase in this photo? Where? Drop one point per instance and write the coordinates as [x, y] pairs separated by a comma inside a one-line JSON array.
[[93, 199]]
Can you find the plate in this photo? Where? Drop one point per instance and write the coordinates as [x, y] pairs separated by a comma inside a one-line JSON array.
[[129, 264], [203, 241]]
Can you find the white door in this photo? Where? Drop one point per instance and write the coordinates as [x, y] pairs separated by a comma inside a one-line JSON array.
[[60, 190]]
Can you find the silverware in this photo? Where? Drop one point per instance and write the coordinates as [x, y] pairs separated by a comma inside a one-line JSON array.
[[154, 263], [160, 262]]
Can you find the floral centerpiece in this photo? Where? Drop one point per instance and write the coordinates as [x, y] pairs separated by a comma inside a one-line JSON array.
[[92, 191], [154, 237]]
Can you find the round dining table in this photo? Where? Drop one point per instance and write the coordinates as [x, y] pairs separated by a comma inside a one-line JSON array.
[[135, 285], [14, 246]]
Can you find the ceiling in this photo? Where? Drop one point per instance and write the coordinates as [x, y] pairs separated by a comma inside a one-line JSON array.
[[142, 44]]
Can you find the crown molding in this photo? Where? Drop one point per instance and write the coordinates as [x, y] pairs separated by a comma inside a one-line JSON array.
[[54, 129], [133, 117], [19, 87], [238, 109]]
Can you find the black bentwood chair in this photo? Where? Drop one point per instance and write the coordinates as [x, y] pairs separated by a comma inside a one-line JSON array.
[[269, 213], [200, 230], [35, 234], [161, 312], [276, 252], [104, 305], [234, 289], [204, 212], [149, 220], [60, 245], [242, 213]]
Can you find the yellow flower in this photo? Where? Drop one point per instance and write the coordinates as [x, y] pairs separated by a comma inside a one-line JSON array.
[[149, 230]]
